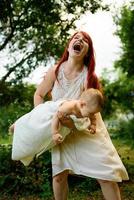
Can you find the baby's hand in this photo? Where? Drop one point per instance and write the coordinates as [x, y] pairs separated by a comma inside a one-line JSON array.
[[61, 115], [92, 129], [57, 138]]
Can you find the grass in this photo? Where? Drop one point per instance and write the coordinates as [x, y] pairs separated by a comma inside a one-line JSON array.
[[126, 152], [6, 140]]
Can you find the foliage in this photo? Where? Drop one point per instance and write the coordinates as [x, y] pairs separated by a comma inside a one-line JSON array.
[[125, 30], [20, 93], [34, 182], [35, 31], [85, 184], [15, 179], [15, 101], [9, 114], [120, 92], [124, 130], [119, 96]]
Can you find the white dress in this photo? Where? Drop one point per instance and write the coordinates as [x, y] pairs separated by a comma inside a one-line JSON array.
[[93, 156], [32, 133]]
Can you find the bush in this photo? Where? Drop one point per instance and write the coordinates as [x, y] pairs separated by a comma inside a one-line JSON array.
[[84, 184], [16, 179], [11, 113], [124, 130], [15, 101], [16, 93]]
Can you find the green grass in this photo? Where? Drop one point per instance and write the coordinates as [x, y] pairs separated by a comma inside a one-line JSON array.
[[126, 152], [6, 140]]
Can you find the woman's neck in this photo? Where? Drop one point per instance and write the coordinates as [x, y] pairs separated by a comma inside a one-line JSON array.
[[74, 65]]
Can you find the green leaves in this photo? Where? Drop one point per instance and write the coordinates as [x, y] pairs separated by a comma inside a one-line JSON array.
[[125, 31], [38, 28]]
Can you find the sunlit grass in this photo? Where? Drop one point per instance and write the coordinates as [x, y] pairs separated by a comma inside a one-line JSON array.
[[6, 140], [125, 150]]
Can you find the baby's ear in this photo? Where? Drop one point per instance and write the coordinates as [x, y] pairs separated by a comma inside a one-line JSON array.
[[82, 103]]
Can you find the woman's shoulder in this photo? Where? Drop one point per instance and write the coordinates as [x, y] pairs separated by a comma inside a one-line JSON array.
[[54, 68], [51, 72], [49, 77]]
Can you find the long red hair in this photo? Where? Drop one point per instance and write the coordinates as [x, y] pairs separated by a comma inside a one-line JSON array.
[[89, 62]]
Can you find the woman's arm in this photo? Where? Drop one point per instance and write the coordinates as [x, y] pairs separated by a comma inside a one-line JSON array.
[[64, 112], [68, 122], [45, 86]]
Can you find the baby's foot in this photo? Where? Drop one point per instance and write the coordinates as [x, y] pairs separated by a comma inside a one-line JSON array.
[[11, 129]]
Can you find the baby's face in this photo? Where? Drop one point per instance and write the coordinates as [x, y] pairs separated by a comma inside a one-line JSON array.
[[88, 111]]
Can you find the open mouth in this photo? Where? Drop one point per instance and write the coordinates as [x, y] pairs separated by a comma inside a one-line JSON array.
[[77, 47]]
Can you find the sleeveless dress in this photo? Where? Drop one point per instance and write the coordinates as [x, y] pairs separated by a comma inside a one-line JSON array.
[[88, 155]]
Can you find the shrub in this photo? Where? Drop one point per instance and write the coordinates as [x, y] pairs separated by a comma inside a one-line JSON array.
[[124, 130], [16, 179]]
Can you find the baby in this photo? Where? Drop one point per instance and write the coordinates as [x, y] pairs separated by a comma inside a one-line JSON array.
[[90, 102], [41, 129]]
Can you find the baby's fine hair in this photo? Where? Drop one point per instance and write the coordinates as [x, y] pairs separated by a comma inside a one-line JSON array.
[[93, 96]]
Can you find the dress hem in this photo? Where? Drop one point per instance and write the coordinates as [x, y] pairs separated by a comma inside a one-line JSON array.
[[71, 172]]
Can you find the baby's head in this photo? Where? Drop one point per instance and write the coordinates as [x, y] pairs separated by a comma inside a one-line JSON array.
[[91, 102]]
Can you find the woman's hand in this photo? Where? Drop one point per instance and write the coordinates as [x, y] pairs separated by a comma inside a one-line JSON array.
[[57, 138], [67, 121]]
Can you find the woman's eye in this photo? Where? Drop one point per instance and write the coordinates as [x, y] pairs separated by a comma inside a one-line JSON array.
[[76, 37], [85, 40]]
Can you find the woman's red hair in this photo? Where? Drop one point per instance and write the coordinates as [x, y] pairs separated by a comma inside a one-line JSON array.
[[89, 62]]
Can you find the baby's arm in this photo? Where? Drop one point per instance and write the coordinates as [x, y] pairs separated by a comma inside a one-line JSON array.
[[64, 112], [55, 125], [92, 127]]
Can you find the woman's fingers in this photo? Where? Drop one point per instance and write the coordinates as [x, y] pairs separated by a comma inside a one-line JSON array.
[[57, 138]]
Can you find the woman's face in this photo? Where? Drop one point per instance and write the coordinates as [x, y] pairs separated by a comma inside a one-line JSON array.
[[78, 46]]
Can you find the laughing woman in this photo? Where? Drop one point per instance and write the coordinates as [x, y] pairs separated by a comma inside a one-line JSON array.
[[92, 156]]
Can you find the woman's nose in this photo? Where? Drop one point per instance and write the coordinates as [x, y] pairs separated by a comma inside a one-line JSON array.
[[80, 39]]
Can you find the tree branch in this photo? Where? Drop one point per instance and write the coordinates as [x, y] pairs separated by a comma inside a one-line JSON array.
[[14, 67], [7, 39]]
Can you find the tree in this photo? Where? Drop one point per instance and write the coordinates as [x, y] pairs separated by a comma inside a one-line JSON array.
[[119, 96], [34, 31], [120, 93], [125, 31]]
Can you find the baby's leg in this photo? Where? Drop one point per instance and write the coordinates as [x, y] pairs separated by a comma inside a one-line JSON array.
[[11, 129]]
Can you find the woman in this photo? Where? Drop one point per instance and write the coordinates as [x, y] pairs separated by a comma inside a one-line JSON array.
[[93, 156]]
